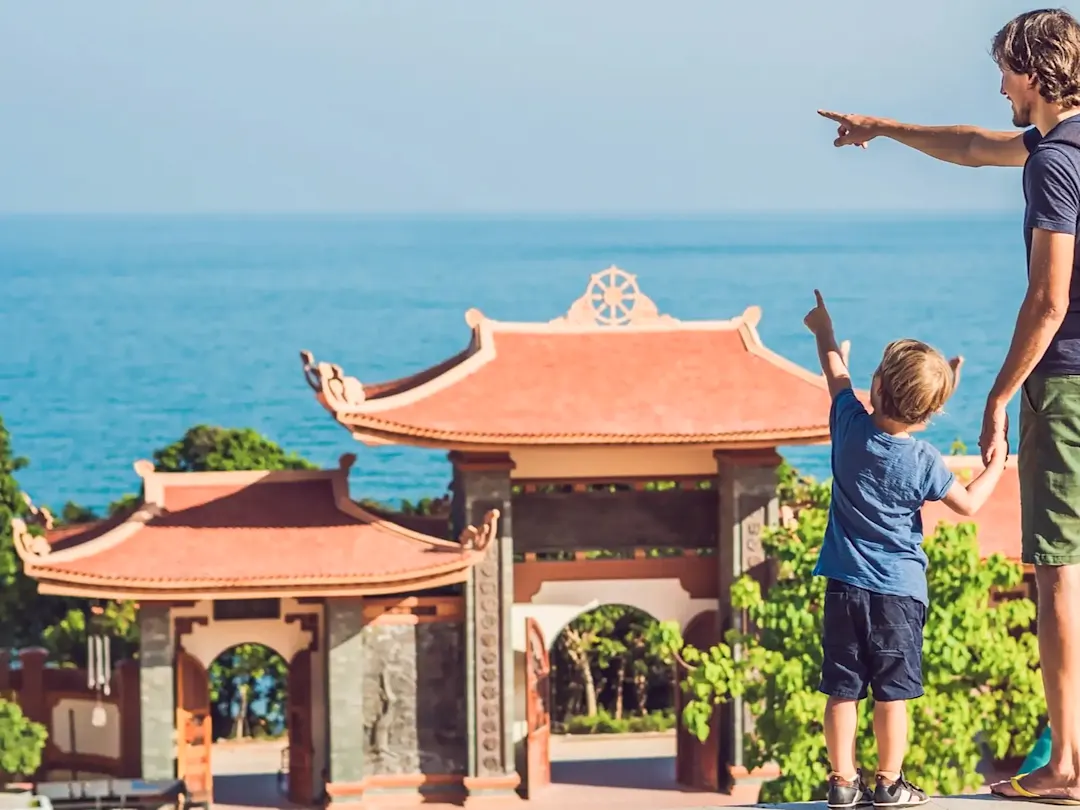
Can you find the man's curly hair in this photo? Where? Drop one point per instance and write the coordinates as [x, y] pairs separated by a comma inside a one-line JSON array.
[[1044, 44]]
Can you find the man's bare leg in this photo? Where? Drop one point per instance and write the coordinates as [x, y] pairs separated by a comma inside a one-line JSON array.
[[1059, 651]]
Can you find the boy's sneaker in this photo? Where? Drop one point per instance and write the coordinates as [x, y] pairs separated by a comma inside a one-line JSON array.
[[900, 793], [845, 793]]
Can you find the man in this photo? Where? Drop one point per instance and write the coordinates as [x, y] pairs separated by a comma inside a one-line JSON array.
[[1038, 54]]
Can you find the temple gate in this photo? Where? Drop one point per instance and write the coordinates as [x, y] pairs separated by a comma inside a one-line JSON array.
[[369, 616], [620, 446]]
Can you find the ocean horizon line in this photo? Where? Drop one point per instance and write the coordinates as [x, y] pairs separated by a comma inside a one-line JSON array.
[[864, 214]]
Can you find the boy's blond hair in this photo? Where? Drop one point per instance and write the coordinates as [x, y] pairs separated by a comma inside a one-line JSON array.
[[916, 380]]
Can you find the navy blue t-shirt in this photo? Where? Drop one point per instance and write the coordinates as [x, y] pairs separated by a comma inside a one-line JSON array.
[[880, 483], [1052, 203]]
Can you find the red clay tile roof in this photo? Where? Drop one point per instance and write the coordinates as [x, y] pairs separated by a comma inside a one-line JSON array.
[[998, 522], [648, 379], [293, 532]]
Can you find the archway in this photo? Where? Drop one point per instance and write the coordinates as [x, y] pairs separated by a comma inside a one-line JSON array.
[[612, 702], [244, 727], [605, 677]]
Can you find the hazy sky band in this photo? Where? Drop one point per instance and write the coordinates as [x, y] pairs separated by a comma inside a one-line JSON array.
[[610, 106]]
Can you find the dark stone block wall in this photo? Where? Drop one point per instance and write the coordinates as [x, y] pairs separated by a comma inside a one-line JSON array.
[[414, 699]]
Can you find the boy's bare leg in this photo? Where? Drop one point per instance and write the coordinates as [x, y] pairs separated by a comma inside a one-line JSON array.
[[891, 730], [841, 727]]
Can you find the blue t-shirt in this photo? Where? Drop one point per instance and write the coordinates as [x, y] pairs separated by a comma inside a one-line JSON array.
[[1052, 203], [880, 483]]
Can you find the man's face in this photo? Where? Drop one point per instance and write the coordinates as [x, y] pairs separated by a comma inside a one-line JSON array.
[[1021, 92]]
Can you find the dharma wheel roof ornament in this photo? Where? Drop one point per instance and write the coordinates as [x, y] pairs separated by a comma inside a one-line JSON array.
[[613, 298]]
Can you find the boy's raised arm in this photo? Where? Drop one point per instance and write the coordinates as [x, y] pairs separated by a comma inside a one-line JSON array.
[[836, 371]]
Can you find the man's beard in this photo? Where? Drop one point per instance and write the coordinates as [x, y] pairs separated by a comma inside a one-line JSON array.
[[1021, 118]]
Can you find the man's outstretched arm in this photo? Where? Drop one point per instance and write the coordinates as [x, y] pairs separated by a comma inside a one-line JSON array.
[[962, 145]]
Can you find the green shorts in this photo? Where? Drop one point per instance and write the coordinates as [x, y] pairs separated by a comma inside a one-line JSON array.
[[1049, 469]]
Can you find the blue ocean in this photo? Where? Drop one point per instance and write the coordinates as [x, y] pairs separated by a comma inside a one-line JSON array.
[[122, 332]]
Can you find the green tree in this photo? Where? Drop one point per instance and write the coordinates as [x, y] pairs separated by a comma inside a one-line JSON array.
[[74, 513], [584, 642], [646, 658], [24, 613], [980, 669], [208, 448], [66, 639], [21, 741], [15, 589], [248, 691]]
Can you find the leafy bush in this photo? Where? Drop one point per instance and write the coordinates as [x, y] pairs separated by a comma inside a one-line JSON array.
[[604, 723], [984, 693], [21, 741]]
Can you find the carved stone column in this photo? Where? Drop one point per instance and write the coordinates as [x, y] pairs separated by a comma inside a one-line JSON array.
[[344, 619], [482, 483], [157, 706], [746, 483]]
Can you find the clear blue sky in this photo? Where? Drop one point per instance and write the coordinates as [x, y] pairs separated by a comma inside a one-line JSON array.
[[554, 106]]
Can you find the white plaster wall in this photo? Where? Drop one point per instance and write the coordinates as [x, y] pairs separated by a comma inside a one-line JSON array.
[[207, 641], [104, 742], [663, 599]]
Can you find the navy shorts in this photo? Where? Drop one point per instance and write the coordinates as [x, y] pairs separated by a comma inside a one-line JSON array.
[[871, 641]]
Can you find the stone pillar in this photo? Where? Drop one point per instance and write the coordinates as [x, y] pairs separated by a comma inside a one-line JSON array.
[[746, 483], [157, 696], [345, 698], [482, 482]]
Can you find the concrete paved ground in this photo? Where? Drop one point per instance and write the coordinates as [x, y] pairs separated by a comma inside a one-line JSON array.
[[245, 775], [603, 772], [607, 772]]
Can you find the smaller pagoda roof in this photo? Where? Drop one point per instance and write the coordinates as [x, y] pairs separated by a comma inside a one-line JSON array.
[[612, 371], [998, 522], [205, 535]]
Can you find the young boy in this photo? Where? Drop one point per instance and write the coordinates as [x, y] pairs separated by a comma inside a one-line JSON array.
[[875, 597]]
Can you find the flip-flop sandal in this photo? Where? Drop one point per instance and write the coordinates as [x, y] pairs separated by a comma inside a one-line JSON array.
[[1025, 795]]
